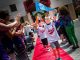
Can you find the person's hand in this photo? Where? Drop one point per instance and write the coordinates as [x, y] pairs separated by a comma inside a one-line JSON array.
[[17, 18], [19, 31]]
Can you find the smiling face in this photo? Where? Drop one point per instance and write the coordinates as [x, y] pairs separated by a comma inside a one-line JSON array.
[[40, 23], [47, 21]]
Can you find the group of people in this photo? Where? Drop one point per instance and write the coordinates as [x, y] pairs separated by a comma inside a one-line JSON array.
[[13, 40], [50, 31], [13, 35]]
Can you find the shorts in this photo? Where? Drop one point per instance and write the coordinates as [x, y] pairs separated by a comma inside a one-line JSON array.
[[44, 41], [55, 44]]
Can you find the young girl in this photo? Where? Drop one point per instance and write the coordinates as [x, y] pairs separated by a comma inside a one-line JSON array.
[[42, 35], [52, 36]]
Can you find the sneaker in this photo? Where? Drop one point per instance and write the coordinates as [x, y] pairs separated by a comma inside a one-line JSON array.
[[48, 49], [77, 46], [58, 59], [74, 48]]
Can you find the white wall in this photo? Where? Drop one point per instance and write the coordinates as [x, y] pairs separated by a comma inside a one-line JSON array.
[[58, 3], [4, 5]]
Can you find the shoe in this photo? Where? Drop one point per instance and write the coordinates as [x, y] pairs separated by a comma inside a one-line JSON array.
[[74, 48], [77, 46], [58, 59], [48, 50], [41, 43]]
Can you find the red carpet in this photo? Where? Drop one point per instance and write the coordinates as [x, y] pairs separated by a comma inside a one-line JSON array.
[[41, 54]]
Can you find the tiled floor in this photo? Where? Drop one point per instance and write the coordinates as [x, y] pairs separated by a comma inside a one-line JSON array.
[[74, 54]]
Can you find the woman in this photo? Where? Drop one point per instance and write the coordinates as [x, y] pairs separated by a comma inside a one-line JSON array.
[[4, 28], [69, 27]]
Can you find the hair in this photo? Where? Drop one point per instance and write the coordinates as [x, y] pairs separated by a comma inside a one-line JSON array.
[[3, 14], [46, 13], [63, 11], [31, 34]]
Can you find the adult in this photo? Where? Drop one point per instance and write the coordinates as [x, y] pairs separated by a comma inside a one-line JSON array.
[[69, 26], [4, 28]]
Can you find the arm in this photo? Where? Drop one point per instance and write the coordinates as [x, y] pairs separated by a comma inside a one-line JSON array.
[[4, 27], [8, 26]]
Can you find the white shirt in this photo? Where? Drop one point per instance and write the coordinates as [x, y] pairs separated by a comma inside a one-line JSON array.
[[51, 33], [28, 29], [41, 32]]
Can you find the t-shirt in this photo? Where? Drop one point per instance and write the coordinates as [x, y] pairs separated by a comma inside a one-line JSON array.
[[65, 21], [51, 32], [27, 29], [41, 32]]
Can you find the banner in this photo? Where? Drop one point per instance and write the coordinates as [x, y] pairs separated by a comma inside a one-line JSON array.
[[41, 7]]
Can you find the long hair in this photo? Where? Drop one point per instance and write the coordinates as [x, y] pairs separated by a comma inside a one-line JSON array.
[[3, 14], [63, 11]]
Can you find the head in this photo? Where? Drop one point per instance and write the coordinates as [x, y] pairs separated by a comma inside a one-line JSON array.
[[47, 18], [31, 34], [55, 11], [4, 15], [63, 11]]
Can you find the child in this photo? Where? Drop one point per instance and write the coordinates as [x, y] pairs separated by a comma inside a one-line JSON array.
[[42, 35], [52, 36]]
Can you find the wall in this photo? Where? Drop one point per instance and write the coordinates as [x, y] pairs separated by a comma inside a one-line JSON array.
[[4, 5], [72, 11], [58, 3]]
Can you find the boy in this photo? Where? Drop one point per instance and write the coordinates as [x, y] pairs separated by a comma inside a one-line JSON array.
[[42, 35], [52, 36]]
